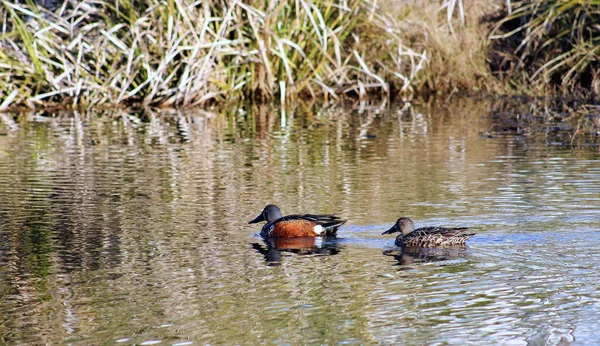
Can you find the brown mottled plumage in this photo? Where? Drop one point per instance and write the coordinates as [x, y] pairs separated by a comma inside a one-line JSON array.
[[428, 236], [296, 226]]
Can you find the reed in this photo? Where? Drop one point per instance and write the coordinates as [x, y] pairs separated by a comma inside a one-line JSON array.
[[454, 34], [549, 45], [185, 53]]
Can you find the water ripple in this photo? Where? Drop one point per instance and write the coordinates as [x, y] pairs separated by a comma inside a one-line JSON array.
[[132, 229]]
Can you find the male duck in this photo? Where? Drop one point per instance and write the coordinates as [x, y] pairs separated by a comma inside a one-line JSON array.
[[427, 236], [295, 226]]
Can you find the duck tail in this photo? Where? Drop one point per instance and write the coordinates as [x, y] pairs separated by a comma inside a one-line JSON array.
[[332, 226], [463, 237]]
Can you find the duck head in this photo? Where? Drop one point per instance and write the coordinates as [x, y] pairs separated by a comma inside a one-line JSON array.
[[403, 225], [269, 214]]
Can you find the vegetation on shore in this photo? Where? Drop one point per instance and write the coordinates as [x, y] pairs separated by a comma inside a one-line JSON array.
[[182, 52], [544, 45], [186, 53]]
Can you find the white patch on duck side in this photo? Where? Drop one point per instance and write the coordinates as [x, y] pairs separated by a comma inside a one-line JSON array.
[[319, 229], [270, 230]]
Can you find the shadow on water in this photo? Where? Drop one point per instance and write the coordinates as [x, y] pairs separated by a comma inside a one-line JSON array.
[[273, 248]]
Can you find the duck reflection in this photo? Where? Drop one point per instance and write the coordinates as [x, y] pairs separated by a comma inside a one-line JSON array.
[[408, 255], [272, 248]]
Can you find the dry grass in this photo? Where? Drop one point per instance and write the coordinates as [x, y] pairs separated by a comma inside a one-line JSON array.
[[455, 36], [549, 46], [184, 52]]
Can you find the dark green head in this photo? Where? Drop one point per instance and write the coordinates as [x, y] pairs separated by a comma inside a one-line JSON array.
[[403, 225], [270, 214]]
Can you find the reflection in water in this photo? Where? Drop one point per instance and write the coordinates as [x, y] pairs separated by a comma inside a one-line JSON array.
[[133, 227], [326, 246], [409, 255]]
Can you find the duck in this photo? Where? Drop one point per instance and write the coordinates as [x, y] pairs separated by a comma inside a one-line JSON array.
[[296, 226], [428, 236]]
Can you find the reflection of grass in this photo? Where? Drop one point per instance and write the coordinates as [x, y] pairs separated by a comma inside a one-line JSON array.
[[176, 250], [555, 121], [36, 243]]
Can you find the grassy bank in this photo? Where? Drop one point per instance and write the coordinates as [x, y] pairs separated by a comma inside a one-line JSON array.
[[186, 53], [181, 52], [549, 45], [455, 36]]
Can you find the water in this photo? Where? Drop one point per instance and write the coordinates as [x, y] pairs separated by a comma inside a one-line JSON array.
[[127, 229]]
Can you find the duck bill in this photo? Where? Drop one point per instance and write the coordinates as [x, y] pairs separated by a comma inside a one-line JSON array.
[[259, 218], [391, 230]]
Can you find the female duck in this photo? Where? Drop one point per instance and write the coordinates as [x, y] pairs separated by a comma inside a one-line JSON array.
[[295, 226], [427, 236]]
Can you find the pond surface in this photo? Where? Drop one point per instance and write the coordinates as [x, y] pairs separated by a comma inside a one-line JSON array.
[[121, 228]]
